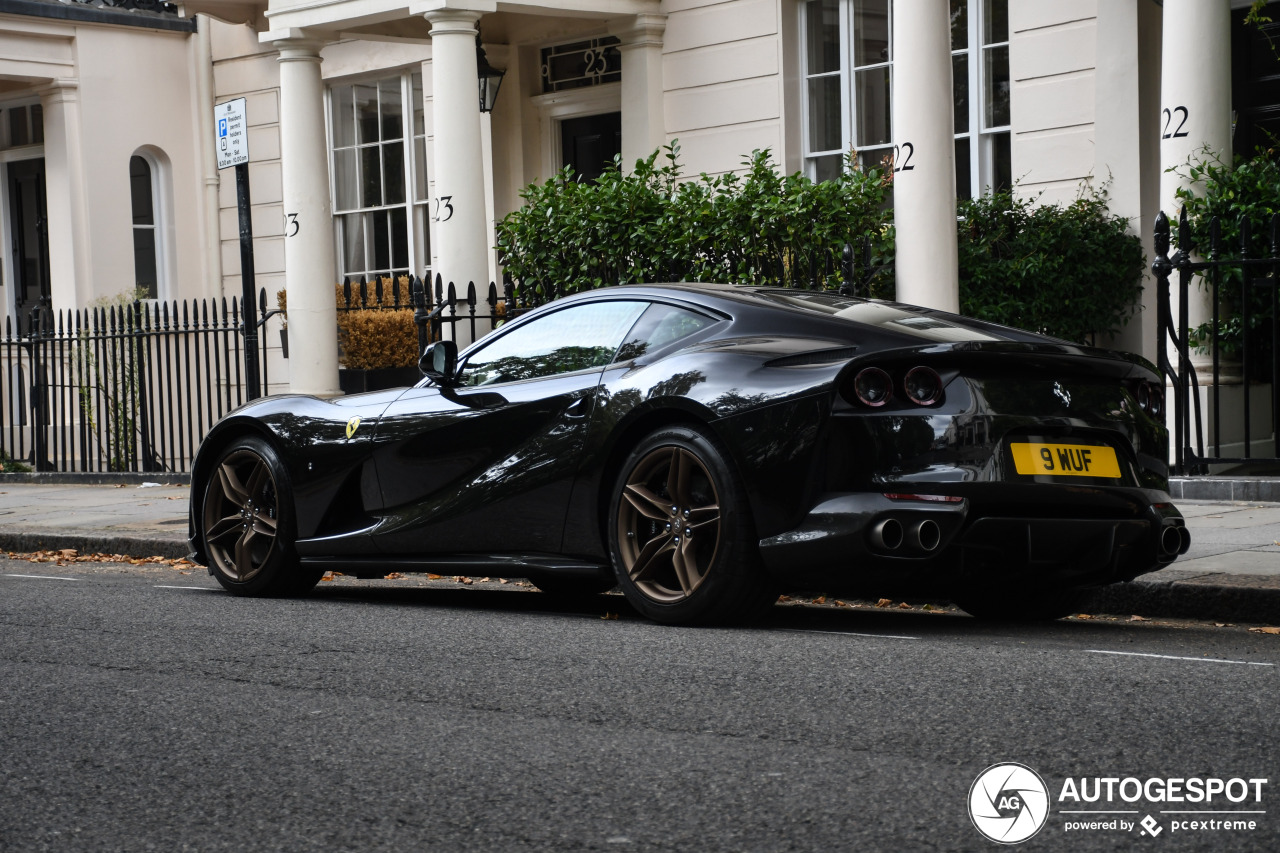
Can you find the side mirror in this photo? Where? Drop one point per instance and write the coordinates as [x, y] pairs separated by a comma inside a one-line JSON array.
[[440, 363]]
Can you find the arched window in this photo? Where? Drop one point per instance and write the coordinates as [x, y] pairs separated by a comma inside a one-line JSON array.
[[146, 234]]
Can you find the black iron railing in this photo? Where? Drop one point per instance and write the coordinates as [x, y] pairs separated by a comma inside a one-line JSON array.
[[135, 387], [130, 387], [1250, 284]]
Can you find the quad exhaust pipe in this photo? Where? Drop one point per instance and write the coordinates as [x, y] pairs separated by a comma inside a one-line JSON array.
[[1174, 541], [890, 534], [925, 535], [887, 535]]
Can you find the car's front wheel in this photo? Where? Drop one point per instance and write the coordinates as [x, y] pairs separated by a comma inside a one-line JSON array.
[[681, 534], [248, 526]]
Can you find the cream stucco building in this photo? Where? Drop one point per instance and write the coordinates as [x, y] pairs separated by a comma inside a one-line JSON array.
[[370, 152]]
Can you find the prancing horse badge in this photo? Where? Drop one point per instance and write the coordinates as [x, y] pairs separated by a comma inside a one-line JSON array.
[[352, 426]]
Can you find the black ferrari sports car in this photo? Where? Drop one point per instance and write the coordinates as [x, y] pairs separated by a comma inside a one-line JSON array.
[[706, 447]]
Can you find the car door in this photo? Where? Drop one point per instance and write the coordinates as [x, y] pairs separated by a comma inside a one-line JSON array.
[[487, 466]]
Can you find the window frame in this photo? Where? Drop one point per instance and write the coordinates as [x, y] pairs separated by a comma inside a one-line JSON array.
[[982, 156], [415, 203], [160, 213]]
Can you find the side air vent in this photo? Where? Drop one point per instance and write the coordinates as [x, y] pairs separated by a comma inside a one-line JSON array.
[[822, 356]]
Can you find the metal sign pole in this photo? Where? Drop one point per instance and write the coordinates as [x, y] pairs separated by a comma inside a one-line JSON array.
[[248, 285], [232, 147]]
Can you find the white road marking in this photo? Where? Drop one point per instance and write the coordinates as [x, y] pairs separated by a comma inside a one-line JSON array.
[[1177, 657], [40, 577], [851, 634], [196, 588]]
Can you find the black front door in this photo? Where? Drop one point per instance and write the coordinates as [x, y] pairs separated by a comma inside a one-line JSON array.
[[30, 239], [1255, 82], [589, 144]]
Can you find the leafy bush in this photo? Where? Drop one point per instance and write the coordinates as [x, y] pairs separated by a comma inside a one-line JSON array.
[[758, 227], [374, 334], [1247, 190], [1070, 272], [11, 466]]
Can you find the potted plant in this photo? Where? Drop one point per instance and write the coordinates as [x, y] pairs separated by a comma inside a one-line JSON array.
[[378, 342]]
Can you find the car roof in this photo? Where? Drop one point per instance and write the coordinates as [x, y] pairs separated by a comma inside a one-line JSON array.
[[824, 307]]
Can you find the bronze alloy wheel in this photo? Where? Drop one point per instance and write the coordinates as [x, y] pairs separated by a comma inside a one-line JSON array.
[[241, 515], [668, 524]]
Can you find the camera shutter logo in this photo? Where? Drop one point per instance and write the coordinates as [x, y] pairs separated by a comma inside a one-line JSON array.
[[1008, 803]]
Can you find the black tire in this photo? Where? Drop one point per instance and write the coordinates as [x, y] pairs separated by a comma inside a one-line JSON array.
[[247, 523], [681, 535], [1028, 604], [574, 586]]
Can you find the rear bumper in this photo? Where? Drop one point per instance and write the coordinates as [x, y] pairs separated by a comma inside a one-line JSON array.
[[1076, 537]]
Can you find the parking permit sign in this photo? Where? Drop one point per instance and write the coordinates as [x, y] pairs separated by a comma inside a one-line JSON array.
[[231, 133]]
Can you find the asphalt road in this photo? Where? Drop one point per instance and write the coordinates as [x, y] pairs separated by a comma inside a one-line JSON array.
[[144, 709]]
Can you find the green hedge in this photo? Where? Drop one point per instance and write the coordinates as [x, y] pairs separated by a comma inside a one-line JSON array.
[[1071, 272], [1068, 271], [650, 225]]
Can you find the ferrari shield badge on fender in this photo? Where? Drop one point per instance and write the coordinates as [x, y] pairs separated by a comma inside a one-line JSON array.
[[352, 426]]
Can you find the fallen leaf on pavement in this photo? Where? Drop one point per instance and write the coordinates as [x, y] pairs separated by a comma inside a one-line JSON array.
[[609, 616], [885, 602], [822, 599], [1267, 630], [394, 576], [784, 598], [1136, 618], [902, 605], [1084, 616], [433, 577]]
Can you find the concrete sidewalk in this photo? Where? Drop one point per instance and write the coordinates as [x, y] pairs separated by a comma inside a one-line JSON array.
[[1232, 572]]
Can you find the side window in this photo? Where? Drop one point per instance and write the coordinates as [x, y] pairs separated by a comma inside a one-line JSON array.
[[574, 338], [661, 325]]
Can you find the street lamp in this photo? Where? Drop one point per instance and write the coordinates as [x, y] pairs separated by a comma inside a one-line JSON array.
[[490, 79]]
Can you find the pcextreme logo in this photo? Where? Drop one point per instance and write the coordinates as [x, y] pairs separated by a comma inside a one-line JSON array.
[[1009, 803]]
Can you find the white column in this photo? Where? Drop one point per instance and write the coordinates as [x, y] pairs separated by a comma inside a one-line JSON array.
[[70, 273], [462, 234], [202, 72], [643, 127], [309, 272], [1195, 106], [924, 182]]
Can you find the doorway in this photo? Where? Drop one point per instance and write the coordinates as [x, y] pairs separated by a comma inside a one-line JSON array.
[[29, 238], [589, 143]]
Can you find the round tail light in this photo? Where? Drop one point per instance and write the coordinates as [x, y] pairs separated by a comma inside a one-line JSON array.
[[923, 386], [873, 387], [1144, 397]]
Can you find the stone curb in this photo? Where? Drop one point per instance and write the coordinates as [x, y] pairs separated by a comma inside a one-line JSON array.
[[1261, 489], [1220, 602], [62, 478], [129, 546]]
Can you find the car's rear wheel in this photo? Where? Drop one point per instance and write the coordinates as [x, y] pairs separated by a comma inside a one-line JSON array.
[[248, 526], [1026, 604], [681, 535]]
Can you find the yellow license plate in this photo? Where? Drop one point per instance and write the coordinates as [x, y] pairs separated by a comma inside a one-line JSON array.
[[1065, 460]]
